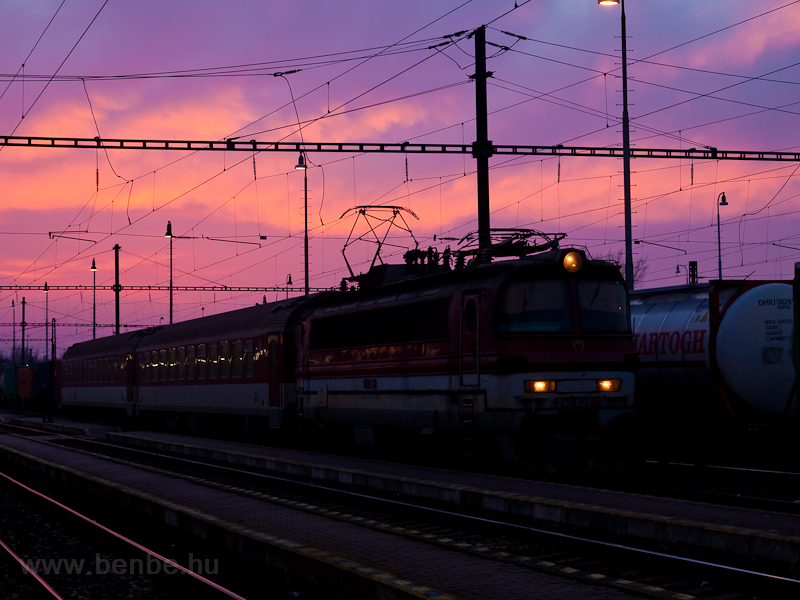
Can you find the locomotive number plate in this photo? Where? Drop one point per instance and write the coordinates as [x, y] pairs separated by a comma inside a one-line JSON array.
[[577, 402]]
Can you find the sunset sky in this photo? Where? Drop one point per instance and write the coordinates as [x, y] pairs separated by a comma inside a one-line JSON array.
[[719, 73]]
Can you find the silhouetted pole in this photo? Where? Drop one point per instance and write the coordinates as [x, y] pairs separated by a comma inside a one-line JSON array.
[[626, 158], [482, 148], [46, 322], [14, 335], [720, 202], [118, 287], [53, 343], [169, 235], [22, 325], [94, 300], [305, 211]]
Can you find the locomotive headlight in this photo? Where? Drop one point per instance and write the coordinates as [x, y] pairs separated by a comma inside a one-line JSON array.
[[609, 385], [573, 262], [537, 387]]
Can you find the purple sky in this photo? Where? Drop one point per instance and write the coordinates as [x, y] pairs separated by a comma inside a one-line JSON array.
[[712, 73]]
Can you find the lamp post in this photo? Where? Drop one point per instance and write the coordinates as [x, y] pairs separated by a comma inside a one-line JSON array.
[[14, 335], [626, 149], [288, 283], [301, 166], [94, 300], [720, 202], [169, 235]]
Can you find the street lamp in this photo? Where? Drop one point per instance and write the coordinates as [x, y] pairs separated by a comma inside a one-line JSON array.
[[46, 322], [169, 235], [288, 283], [301, 166], [626, 149], [720, 202], [94, 300]]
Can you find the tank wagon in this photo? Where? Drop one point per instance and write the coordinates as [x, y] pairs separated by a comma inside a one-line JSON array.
[[527, 357], [718, 347], [716, 373]]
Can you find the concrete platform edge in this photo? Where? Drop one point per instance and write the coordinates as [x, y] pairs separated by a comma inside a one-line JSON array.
[[736, 540], [354, 579]]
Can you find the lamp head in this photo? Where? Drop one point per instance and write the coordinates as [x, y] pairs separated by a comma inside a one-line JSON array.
[[677, 269], [46, 289], [94, 268], [608, 2], [169, 229], [289, 279], [723, 201], [301, 163]]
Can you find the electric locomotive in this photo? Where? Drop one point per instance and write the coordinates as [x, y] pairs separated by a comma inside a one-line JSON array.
[[531, 357]]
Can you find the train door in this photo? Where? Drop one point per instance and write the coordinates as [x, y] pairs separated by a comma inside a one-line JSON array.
[[470, 342]]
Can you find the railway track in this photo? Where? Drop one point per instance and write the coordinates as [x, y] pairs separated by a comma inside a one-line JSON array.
[[651, 571], [48, 550]]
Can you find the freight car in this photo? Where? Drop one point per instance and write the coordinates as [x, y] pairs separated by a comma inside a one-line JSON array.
[[718, 347], [526, 357], [716, 373]]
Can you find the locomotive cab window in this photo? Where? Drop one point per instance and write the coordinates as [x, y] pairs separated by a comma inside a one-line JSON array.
[[536, 306], [603, 306]]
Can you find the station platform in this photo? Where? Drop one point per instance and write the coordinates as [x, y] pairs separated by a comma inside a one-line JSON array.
[[59, 425], [355, 560], [746, 532]]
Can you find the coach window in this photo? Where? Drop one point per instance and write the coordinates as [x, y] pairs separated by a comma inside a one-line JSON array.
[[162, 365], [273, 358], [145, 366], [190, 363], [248, 358], [154, 366], [212, 361], [172, 364], [225, 359], [201, 361], [181, 363], [237, 359], [94, 372]]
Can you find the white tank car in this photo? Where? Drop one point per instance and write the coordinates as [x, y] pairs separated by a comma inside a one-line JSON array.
[[743, 349]]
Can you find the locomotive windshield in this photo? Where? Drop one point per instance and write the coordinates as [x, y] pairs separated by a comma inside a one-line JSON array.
[[602, 306], [542, 305]]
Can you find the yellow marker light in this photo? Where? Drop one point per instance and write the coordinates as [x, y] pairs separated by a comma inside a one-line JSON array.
[[609, 385], [537, 387], [573, 262]]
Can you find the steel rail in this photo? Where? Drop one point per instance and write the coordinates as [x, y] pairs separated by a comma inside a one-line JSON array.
[[237, 145], [119, 536], [726, 569], [36, 576]]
